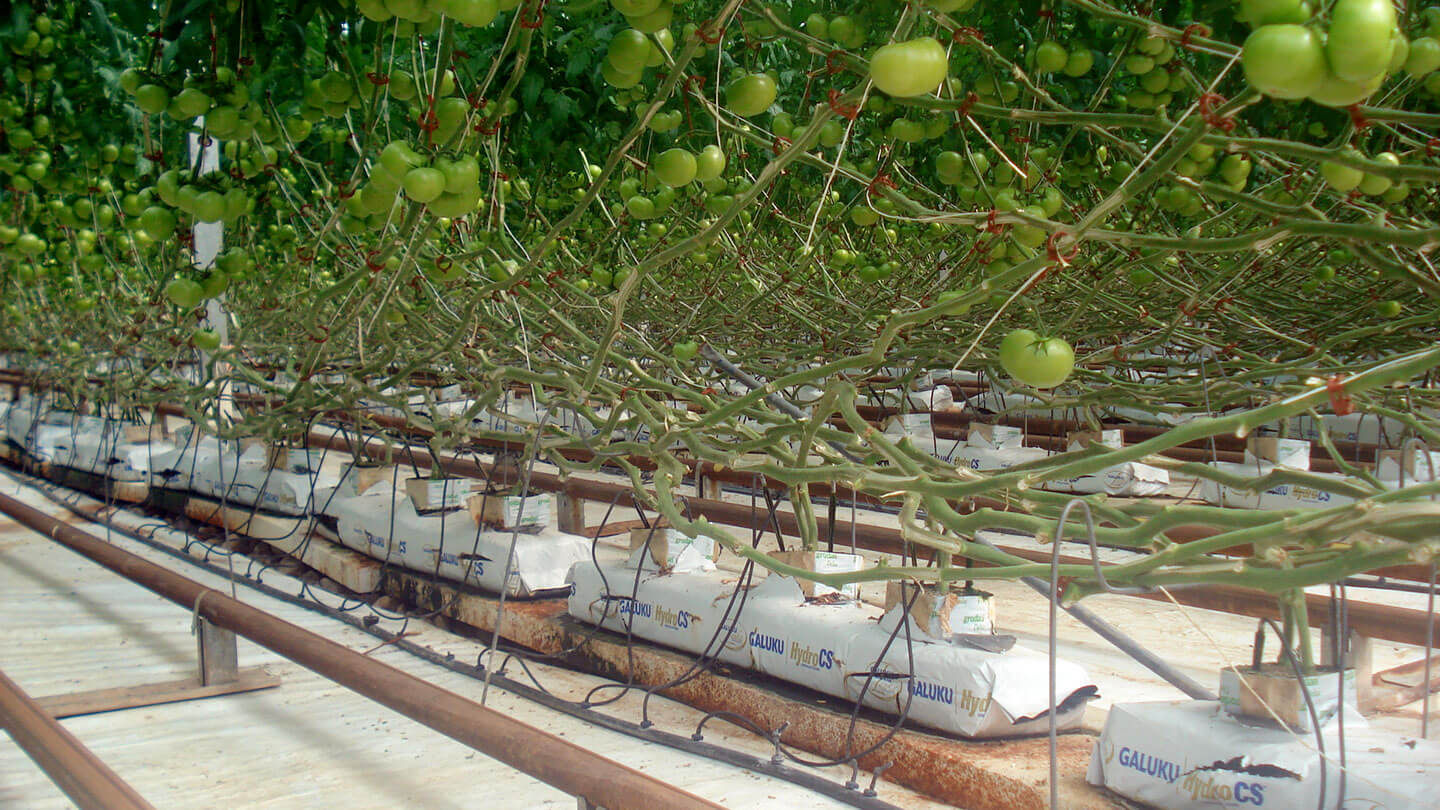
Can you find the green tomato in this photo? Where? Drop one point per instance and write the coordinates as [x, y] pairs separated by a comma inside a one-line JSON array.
[[1079, 62], [618, 78], [184, 293], [1337, 92], [685, 351], [461, 174], [424, 184], [1272, 12], [1341, 177], [640, 207], [710, 163], [1284, 61], [158, 221], [458, 204], [1374, 184], [206, 340], [655, 21], [675, 167], [750, 95], [190, 103], [475, 13], [1359, 45], [152, 98], [209, 206], [635, 8], [1035, 361], [1424, 57], [1051, 57], [1139, 64], [912, 68], [398, 159], [628, 51], [816, 25]]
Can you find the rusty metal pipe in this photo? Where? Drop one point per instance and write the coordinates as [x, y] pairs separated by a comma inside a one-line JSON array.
[[70, 765], [578, 771]]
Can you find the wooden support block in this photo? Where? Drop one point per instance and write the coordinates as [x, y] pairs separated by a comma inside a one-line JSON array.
[[129, 491], [1403, 685], [571, 511], [217, 652], [356, 571], [242, 519], [1358, 658], [707, 486], [97, 701]]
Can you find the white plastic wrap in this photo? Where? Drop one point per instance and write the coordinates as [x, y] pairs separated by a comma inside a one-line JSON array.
[[384, 525], [1190, 755], [833, 648]]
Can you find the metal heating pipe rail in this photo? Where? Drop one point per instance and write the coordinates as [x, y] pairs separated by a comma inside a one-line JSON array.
[[599, 781], [70, 765]]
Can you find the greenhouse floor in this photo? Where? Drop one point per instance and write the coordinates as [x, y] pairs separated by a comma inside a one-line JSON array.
[[72, 626], [323, 745]]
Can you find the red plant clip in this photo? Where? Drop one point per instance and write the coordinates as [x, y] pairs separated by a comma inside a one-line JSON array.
[[703, 32], [378, 79], [370, 262], [531, 23], [850, 111], [881, 180], [965, 33], [1358, 118], [991, 226], [832, 64], [966, 103], [1052, 249], [1207, 104], [1431, 146], [1191, 30], [1340, 401], [780, 144]]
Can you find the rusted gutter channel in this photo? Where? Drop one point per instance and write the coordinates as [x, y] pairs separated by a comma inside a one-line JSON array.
[[546, 757], [70, 765]]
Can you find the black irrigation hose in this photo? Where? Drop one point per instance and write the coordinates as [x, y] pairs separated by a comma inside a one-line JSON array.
[[803, 779]]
